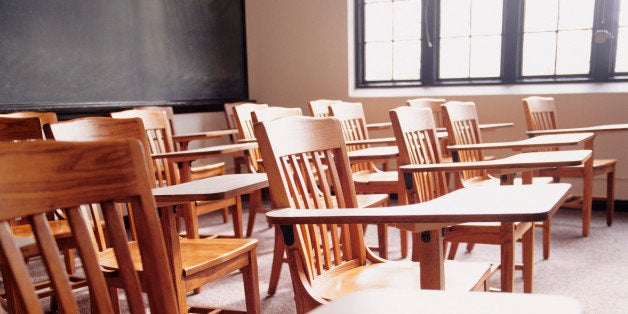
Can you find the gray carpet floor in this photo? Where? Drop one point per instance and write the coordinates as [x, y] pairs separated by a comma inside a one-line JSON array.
[[592, 270]]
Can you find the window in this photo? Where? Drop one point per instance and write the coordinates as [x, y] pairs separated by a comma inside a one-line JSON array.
[[445, 42]]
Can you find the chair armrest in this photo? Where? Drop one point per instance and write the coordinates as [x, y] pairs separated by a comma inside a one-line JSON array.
[[381, 125], [595, 129], [247, 140], [511, 164], [184, 138], [478, 204], [205, 152], [382, 140], [535, 142]]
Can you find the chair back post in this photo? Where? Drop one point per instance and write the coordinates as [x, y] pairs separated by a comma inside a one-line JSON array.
[[540, 113], [353, 121]]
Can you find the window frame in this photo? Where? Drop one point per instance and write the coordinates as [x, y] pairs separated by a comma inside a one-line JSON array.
[[602, 57]]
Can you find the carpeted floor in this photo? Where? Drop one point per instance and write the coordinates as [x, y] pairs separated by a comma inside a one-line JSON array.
[[593, 270]]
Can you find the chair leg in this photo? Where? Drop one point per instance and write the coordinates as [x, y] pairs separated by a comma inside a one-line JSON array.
[[403, 235], [610, 197], [191, 221], [275, 270], [453, 248], [236, 212], [547, 236], [470, 246], [382, 240], [255, 204], [115, 300], [528, 259], [68, 259], [251, 284], [225, 215]]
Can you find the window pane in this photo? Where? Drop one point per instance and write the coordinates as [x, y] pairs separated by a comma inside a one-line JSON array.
[[378, 22], [455, 18], [407, 60], [576, 14], [538, 54], [623, 13], [485, 56], [486, 17], [621, 60], [378, 61], [540, 15], [454, 58], [407, 24], [573, 52]]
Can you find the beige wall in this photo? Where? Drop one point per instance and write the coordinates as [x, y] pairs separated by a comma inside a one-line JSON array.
[[298, 51]]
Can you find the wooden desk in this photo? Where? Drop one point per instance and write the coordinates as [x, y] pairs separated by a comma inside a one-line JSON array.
[[507, 167], [185, 139], [481, 204], [430, 301], [595, 129], [185, 158]]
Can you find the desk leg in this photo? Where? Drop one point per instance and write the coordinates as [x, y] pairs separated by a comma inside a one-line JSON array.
[[587, 193], [507, 256], [431, 257], [188, 210]]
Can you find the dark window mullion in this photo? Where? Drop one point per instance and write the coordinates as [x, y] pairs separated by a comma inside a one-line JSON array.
[[603, 55], [429, 31], [360, 46], [512, 40]]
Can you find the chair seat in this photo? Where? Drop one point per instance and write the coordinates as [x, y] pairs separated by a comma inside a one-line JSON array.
[[403, 275], [59, 228], [207, 170], [196, 254], [371, 200], [599, 166], [366, 177]]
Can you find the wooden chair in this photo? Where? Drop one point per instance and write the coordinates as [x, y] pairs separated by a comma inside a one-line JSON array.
[[198, 171], [198, 261], [434, 104], [238, 161], [44, 117], [540, 114], [42, 176], [244, 124], [328, 261], [367, 177], [415, 131], [320, 108], [167, 173], [15, 129]]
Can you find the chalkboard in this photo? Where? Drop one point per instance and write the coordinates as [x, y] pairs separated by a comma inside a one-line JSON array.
[[67, 53]]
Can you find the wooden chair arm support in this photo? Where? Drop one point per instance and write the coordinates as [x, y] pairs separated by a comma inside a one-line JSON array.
[[512, 164], [486, 127], [479, 204], [247, 140], [381, 125], [535, 142], [184, 138], [595, 129]]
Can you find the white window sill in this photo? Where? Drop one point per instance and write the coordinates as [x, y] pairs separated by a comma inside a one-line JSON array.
[[523, 89]]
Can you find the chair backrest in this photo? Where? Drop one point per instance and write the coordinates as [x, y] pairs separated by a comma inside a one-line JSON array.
[[44, 117], [353, 121], [244, 124], [461, 121], [307, 166], [320, 108], [415, 132], [159, 138], [169, 114], [41, 176], [432, 103], [540, 113], [20, 129], [272, 113]]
